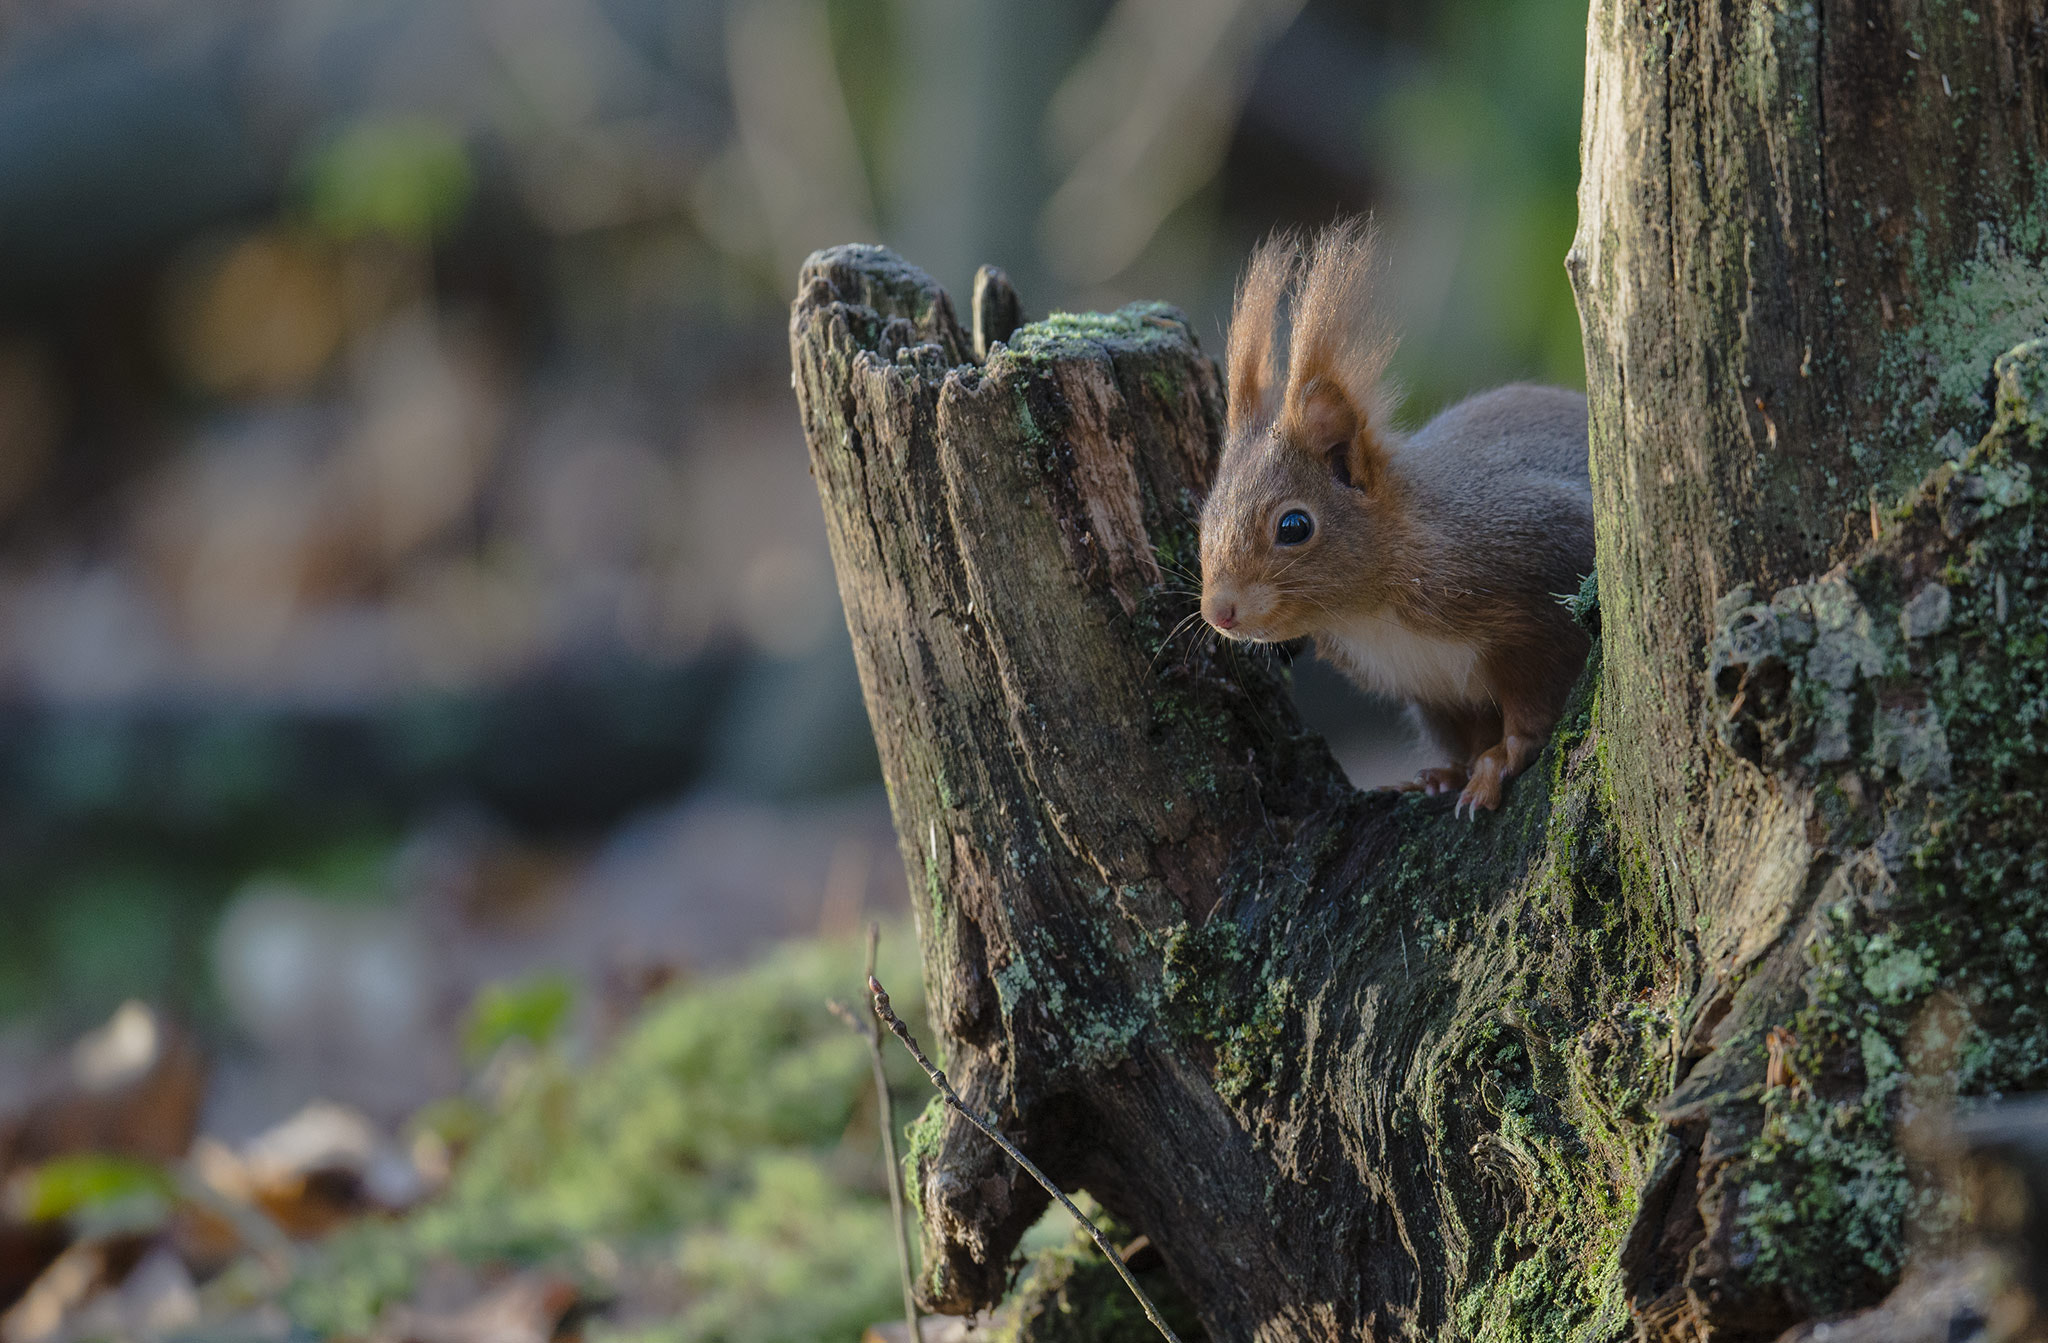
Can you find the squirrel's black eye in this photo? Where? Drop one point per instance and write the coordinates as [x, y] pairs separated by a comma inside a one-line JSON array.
[[1295, 527]]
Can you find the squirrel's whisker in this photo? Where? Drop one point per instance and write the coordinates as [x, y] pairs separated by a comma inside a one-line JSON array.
[[1167, 642]]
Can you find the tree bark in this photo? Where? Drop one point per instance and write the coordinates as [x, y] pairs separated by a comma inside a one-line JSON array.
[[1806, 232], [1630, 1052]]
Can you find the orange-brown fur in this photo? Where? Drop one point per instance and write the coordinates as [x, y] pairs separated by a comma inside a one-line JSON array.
[[1436, 558]]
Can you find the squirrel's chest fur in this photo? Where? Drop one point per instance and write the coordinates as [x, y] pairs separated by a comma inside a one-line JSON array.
[[1386, 657]]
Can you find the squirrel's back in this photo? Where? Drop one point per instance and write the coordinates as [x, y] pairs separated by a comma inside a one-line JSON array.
[[1504, 473], [1521, 426]]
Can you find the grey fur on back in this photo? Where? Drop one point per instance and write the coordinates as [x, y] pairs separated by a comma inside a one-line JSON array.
[[1508, 467]]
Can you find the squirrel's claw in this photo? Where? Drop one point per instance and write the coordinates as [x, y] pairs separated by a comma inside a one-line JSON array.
[[1483, 791]]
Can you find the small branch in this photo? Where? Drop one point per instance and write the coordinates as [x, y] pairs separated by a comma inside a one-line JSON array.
[[887, 1111], [987, 1126], [887, 1106]]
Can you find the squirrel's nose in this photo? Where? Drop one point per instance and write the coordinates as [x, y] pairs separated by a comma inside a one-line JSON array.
[[1224, 616]]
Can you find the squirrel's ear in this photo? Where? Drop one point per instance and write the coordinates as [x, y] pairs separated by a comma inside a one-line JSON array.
[[1254, 357], [1325, 418], [1335, 392]]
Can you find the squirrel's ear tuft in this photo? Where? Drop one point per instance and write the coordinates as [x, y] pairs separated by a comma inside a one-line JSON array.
[[1336, 391], [1254, 355]]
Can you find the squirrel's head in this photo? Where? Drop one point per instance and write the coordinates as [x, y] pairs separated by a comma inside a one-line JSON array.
[[1302, 528]]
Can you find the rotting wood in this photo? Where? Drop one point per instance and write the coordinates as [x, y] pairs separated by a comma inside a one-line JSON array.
[[1266, 1019]]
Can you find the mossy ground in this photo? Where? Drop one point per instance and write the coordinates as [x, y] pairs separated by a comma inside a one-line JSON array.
[[722, 1157]]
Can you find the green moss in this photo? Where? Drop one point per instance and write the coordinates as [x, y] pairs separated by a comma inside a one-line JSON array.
[[1200, 970], [1986, 306], [1927, 750], [921, 1144], [1217, 991], [796, 1256], [708, 1144], [1585, 603], [1249, 1056], [1550, 1083], [1029, 431], [1068, 335], [1540, 1088]]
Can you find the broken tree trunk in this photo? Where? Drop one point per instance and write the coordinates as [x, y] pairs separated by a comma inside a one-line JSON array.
[[1312, 1041], [1630, 1052]]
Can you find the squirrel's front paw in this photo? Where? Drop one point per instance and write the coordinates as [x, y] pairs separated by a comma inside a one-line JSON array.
[[1483, 791]]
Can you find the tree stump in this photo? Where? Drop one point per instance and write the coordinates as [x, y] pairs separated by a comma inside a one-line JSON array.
[[1288, 1030]]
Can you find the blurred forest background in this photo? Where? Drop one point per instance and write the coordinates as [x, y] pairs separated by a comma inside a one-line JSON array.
[[421, 673]]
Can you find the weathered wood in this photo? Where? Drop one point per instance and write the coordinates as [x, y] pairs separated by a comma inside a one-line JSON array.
[[1805, 233], [1293, 1033], [997, 311]]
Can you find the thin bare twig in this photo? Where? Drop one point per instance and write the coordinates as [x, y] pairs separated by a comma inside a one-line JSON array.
[[886, 1106], [888, 1110], [987, 1125]]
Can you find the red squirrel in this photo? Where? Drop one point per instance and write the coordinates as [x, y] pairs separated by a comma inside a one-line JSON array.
[[1427, 566]]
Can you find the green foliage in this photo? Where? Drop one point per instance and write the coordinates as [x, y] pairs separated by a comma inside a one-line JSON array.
[[107, 935], [870, 52], [401, 177], [358, 1272], [118, 915], [1484, 142], [94, 1192], [533, 1010], [727, 1138]]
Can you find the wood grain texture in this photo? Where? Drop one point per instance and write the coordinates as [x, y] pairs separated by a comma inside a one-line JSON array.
[[1787, 213]]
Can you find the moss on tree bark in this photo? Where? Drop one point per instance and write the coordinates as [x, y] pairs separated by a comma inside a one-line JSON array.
[[1806, 232]]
